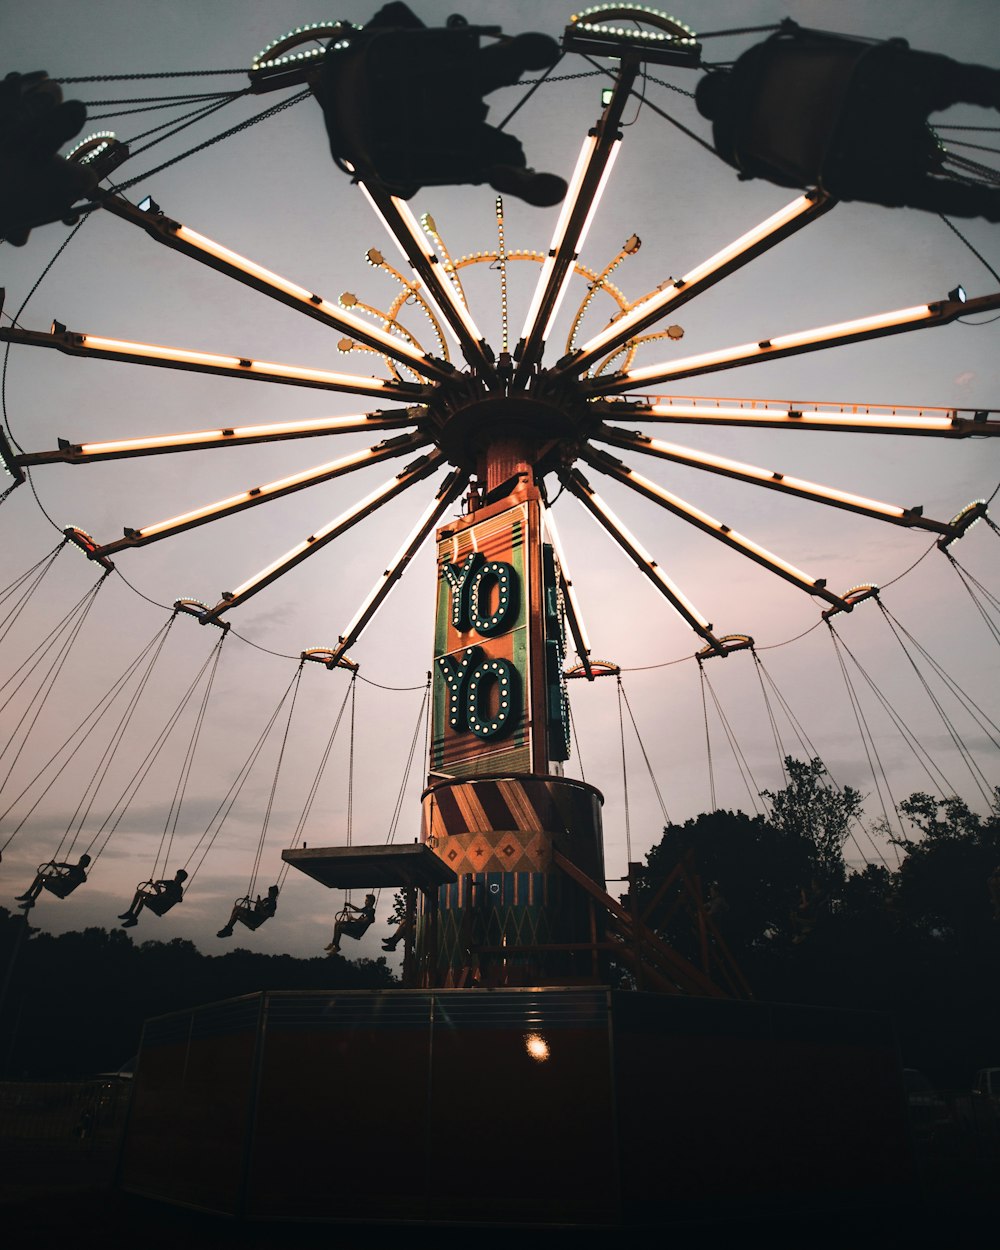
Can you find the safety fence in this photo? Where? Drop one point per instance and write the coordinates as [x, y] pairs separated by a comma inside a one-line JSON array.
[[60, 1136]]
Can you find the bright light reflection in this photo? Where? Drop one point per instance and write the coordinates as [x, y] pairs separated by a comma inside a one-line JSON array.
[[536, 1046]]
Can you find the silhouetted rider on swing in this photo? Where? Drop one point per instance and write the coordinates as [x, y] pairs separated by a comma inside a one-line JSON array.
[[252, 915], [346, 927], [805, 108], [59, 878], [36, 185], [158, 896], [405, 102]]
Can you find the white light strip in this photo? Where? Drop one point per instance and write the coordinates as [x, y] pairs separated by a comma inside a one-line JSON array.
[[536, 299], [339, 316], [425, 291], [344, 519], [413, 542], [558, 236], [904, 316], [122, 347], [550, 523], [705, 459], [665, 298], [447, 286], [356, 422], [754, 351], [567, 276], [819, 420], [709, 522], [640, 551], [160, 353], [331, 469], [573, 191], [598, 194]]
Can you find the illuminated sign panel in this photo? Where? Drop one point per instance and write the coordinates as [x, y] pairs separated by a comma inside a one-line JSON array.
[[482, 648]]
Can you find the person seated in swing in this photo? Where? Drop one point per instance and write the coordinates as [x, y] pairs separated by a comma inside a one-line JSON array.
[[407, 925], [805, 108], [252, 915], [405, 103], [59, 878], [158, 896], [346, 927]]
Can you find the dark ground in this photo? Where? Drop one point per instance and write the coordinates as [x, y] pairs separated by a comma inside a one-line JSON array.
[[118, 1219]]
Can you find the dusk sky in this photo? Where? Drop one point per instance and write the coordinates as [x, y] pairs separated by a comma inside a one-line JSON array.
[[272, 194]]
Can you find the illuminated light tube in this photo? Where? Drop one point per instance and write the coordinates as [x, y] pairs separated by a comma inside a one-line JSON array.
[[598, 194], [558, 237], [624, 533], [204, 244], [536, 299], [413, 227], [724, 531], [783, 343], [903, 316], [261, 368], [550, 523], [578, 246], [357, 422], [752, 237], [318, 375], [706, 359], [345, 518], [124, 347], [817, 420], [447, 288], [381, 216], [282, 485], [685, 455], [205, 249], [425, 249], [573, 191], [419, 469], [705, 270], [414, 541]]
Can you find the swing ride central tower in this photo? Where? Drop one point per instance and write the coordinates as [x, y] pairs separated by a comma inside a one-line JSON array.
[[497, 810]]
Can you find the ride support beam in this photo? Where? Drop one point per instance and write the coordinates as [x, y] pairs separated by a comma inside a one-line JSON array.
[[75, 343], [899, 321], [579, 207], [206, 251]]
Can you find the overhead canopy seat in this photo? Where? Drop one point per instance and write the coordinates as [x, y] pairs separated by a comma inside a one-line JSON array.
[[372, 867]]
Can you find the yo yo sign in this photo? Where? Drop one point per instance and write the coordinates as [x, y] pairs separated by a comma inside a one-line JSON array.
[[481, 648]]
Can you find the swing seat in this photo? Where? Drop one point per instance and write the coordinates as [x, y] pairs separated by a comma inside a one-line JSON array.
[[61, 886], [159, 904], [252, 919]]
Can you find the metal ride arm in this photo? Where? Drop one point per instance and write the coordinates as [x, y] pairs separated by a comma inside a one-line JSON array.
[[208, 252], [845, 418], [574, 617], [912, 517], [593, 168], [234, 436], [77, 344], [438, 290], [448, 492], [801, 211], [899, 321], [577, 484], [413, 473], [709, 525], [386, 450]]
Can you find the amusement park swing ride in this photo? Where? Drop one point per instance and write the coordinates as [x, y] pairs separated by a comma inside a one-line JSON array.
[[506, 885]]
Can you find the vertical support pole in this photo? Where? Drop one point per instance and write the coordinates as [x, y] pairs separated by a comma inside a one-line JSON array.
[[633, 904], [410, 920]]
